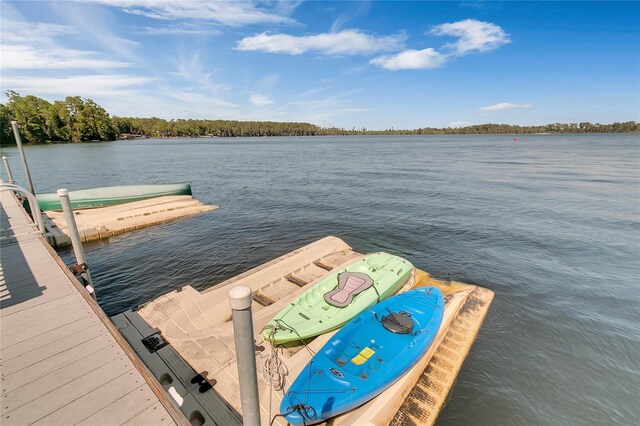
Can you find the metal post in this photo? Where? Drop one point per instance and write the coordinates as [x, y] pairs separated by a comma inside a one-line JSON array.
[[240, 301], [5, 160], [78, 250], [16, 133]]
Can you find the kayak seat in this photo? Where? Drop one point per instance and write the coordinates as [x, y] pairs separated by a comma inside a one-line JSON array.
[[350, 284], [398, 322]]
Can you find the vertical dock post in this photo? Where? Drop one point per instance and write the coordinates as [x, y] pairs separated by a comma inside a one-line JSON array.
[[16, 133], [240, 301], [6, 166], [78, 250]]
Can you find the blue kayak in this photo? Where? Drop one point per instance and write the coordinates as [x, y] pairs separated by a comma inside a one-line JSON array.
[[365, 357]]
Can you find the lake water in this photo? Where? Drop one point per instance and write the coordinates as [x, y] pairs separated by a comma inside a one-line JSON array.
[[551, 224]]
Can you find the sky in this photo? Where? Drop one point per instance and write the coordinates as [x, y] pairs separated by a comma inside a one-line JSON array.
[[378, 65]]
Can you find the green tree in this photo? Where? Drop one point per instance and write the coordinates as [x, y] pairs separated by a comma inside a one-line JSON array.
[[6, 135], [30, 112]]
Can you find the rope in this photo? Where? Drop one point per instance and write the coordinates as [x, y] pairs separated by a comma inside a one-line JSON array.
[[286, 327], [273, 370], [376, 290], [306, 413]]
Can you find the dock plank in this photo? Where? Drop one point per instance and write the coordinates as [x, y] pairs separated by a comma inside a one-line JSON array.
[[153, 415], [25, 319], [85, 336], [56, 379], [94, 401], [55, 362], [51, 321], [47, 296], [44, 405], [37, 342], [123, 409]]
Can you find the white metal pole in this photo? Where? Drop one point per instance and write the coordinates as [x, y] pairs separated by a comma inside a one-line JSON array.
[[5, 160], [240, 301], [36, 213], [78, 250], [16, 133]]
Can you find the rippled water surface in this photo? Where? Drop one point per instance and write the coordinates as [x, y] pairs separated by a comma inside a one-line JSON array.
[[551, 224]]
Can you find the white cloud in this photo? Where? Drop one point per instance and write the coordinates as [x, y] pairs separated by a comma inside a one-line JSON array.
[[411, 59], [260, 100], [473, 35], [458, 124], [187, 29], [228, 13], [195, 72], [35, 45], [346, 42], [322, 110], [28, 57], [354, 10], [268, 81], [35, 32], [504, 105], [168, 102], [473, 4], [84, 85]]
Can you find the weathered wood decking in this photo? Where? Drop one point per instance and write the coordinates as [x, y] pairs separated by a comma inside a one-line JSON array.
[[62, 361]]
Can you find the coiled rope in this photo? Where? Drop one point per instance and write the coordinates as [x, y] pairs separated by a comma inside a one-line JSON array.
[[275, 372]]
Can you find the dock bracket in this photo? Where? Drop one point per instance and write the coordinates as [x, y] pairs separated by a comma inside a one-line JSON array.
[[204, 383], [77, 269], [154, 342]]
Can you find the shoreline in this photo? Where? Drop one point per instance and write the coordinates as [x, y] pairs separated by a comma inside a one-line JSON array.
[[145, 137]]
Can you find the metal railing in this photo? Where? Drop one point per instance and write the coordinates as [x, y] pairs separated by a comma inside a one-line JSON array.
[[36, 214]]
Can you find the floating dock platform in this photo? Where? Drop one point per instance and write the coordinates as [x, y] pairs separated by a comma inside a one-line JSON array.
[[194, 334], [104, 222], [62, 361], [173, 360]]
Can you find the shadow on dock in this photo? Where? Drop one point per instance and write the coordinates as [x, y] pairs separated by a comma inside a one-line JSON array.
[[17, 281]]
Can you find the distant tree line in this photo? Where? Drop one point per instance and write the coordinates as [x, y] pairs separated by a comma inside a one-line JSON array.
[[79, 120], [72, 120], [490, 128], [157, 127]]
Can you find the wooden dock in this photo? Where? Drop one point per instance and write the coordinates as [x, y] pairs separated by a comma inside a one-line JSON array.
[[62, 361]]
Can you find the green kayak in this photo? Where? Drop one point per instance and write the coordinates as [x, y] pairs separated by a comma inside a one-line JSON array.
[[336, 299], [111, 195]]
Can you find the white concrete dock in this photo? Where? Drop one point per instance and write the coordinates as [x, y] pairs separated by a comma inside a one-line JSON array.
[[62, 361], [104, 222], [197, 326]]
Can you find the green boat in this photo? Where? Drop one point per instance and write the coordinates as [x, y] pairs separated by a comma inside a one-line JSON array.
[[336, 299], [111, 196]]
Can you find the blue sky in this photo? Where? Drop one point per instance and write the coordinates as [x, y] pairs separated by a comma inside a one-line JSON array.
[[350, 64]]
